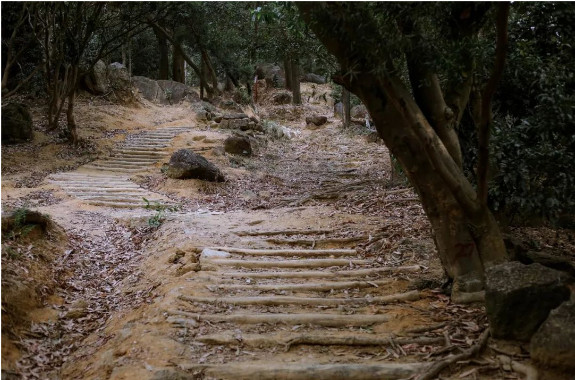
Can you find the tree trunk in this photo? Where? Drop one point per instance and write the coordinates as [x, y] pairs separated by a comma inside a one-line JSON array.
[[346, 101], [296, 93], [287, 70], [229, 84], [71, 121], [178, 73], [210, 70], [467, 237], [164, 64]]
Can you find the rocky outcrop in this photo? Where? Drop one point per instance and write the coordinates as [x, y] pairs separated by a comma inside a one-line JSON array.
[[185, 164], [16, 124], [554, 343], [313, 78], [164, 91], [518, 298], [239, 145]]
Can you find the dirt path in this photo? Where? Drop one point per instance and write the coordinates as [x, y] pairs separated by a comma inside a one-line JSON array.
[[307, 263]]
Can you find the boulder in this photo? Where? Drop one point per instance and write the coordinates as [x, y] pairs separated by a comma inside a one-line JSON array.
[[238, 145], [97, 80], [359, 112], [316, 120], [175, 92], [283, 97], [518, 298], [273, 74], [554, 343], [149, 89], [16, 124], [119, 80], [185, 164], [228, 116], [313, 78]]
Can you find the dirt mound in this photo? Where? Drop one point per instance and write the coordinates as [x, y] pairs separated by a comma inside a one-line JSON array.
[[31, 246]]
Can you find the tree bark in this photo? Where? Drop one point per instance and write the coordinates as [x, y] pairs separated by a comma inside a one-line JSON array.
[[287, 70], [71, 120], [465, 233], [178, 74], [346, 101], [296, 93], [163, 67]]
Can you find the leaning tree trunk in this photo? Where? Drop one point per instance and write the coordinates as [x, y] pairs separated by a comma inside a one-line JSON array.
[[467, 236], [71, 120], [164, 64]]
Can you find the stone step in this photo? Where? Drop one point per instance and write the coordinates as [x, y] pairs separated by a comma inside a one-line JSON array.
[[120, 170], [308, 263]]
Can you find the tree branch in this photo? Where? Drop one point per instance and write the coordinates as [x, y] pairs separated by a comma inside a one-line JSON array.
[[484, 131]]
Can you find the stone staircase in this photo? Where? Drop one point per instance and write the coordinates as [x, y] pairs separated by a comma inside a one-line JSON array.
[[107, 182]]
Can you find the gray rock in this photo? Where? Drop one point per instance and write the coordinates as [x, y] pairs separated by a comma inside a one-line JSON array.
[[185, 164], [554, 343], [175, 92], [149, 89], [338, 110], [316, 120], [97, 80], [16, 124], [359, 112], [171, 374], [119, 80], [283, 97], [518, 298], [238, 145], [241, 124], [313, 78], [212, 253], [229, 116]]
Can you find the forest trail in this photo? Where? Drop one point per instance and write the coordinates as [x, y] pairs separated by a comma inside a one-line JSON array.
[[322, 268]]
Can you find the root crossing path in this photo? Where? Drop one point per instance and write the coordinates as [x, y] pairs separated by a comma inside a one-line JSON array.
[[107, 182], [265, 305]]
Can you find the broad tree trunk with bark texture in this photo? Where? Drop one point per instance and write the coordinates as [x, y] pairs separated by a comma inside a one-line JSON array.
[[417, 127], [287, 70]]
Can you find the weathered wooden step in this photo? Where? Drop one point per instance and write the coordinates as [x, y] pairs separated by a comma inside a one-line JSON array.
[[306, 371], [324, 338], [310, 263], [287, 252], [305, 301], [318, 287], [324, 319], [323, 274]]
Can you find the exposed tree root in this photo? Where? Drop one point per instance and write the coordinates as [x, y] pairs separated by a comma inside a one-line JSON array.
[[320, 287], [326, 320], [303, 371], [287, 252], [305, 301], [317, 263], [437, 367]]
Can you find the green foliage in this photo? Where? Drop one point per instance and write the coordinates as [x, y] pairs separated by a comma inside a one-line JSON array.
[[534, 139], [156, 220], [20, 228]]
